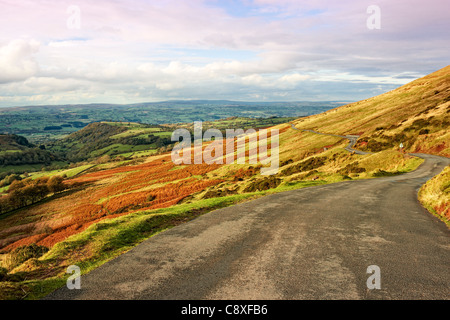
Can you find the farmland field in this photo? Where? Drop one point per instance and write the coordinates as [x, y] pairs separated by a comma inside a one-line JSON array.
[[41, 123]]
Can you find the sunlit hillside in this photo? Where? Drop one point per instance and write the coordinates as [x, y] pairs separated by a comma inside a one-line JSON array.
[[416, 115]]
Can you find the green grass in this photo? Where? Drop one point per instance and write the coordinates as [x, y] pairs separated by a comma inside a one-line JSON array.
[[139, 153], [390, 161], [123, 149], [163, 134], [68, 172], [135, 132], [107, 239], [22, 168], [9, 151]]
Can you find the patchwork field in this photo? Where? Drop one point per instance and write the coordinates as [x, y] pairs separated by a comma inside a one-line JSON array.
[[40, 124]]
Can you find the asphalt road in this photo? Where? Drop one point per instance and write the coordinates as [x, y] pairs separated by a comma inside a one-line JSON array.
[[312, 243], [352, 140]]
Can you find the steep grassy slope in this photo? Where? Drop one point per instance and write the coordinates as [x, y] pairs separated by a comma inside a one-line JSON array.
[[416, 115]]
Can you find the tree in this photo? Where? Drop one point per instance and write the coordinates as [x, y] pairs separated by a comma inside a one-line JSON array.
[[17, 199], [56, 184], [4, 205], [16, 185]]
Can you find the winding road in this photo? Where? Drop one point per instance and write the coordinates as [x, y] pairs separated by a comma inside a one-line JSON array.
[[311, 243], [351, 138]]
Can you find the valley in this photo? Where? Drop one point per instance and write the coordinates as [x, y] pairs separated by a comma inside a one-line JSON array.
[[41, 124]]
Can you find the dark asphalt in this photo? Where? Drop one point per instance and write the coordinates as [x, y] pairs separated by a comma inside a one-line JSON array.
[[312, 243]]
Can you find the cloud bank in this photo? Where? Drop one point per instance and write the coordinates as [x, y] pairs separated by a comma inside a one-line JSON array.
[[128, 51]]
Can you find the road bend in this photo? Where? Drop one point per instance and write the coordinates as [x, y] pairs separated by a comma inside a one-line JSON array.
[[311, 243]]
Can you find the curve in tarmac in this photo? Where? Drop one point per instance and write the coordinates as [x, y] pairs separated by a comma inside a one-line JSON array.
[[351, 138]]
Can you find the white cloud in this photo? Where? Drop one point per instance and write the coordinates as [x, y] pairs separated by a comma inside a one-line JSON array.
[[17, 62], [254, 79], [294, 78]]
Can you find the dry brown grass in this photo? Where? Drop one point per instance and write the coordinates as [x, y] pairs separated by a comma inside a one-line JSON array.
[[435, 195], [53, 221]]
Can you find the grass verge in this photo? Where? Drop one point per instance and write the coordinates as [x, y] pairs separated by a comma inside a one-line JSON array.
[[435, 195]]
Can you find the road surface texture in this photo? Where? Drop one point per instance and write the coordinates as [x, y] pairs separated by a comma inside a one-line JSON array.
[[311, 243]]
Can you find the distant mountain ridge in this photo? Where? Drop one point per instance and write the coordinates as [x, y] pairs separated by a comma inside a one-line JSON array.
[[181, 101]]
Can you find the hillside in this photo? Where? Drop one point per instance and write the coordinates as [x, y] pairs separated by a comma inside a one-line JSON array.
[[435, 195], [18, 154], [106, 211], [100, 138], [416, 115], [130, 139], [13, 142]]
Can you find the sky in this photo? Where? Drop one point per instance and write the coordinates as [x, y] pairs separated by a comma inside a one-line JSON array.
[[131, 51]]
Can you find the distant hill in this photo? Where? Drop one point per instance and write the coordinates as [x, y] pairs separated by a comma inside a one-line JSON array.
[[16, 151], [13, 142], [416, 115], [99, 138], [136, 139]]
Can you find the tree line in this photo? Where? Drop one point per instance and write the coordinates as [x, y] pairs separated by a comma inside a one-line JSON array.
[[22, 193], [29, 156]]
